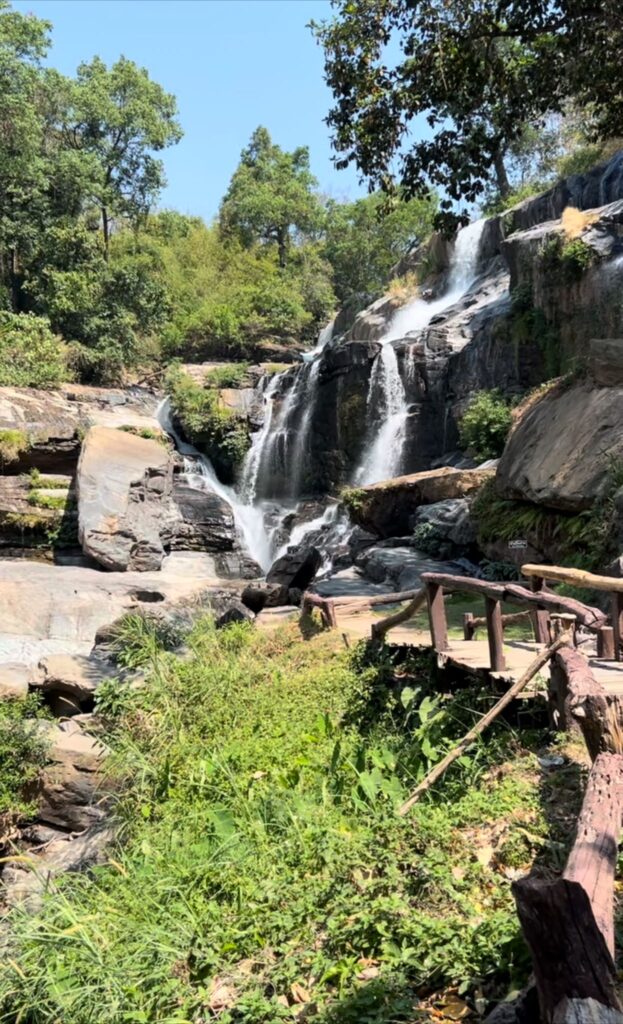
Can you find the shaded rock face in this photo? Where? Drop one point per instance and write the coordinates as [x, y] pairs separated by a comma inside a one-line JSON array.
[[124, 483], [73, 788], [387, 509], [446, 528], [400, 568], [296, 568], [207, 520], [561, 451]]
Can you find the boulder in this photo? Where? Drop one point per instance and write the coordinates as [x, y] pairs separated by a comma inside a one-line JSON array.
[[605, 361], [561, 452], [445, 528], [400, 568], [74, 676], [59, 853], [296, 568], [206, 520], [73, 789], [14, 680], [49, 427], [124, 483], [236, 612], [257, 596], [387, 508]]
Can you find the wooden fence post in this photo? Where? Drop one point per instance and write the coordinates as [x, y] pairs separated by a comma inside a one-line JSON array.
[[605, 643], [617, 623], [495, 634], [540, 618], [468, 626], [437, 617]]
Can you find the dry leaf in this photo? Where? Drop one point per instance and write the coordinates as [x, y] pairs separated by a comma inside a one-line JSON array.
[[458, 874], [484, 855], [300, 993], [368, 974], [222, 995], [454, 1008]]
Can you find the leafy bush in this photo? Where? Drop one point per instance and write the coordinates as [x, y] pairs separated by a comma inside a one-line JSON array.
[[22, 755], [13, 443], [217, 431], [568, 260], [231, 375], [30, 354], [485, 425]]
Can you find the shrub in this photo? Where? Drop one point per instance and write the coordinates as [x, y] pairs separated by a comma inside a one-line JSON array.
[[30, 354], [567, 260], [219, 432], [231, 375], [485, 425], [12, 444], [22, 754]]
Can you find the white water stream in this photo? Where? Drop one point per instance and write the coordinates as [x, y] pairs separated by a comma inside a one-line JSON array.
[[387, 400]]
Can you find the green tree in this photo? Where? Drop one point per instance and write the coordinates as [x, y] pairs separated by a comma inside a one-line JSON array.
[[438, 91], [270, 196], [118, 118], [363, 243]]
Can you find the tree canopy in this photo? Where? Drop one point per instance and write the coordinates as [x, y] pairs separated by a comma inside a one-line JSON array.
[[271, 194], [475, 74]]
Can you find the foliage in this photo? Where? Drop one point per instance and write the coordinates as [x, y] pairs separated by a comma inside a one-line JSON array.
[[363, 240], [22, 755], [353, 498], [271, 195], [13, 443], [216, 430], [30, 354], [263, 865], [479, 74], [485, 425], [569, 260], [136, 638], [231, 375], [585, 539]]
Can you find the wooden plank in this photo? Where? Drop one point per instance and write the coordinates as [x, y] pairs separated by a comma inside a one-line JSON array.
[[575, 577], [495, 635], [437, 617], [616, 607]]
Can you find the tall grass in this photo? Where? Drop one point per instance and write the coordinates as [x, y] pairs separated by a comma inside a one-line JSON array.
[[263, 868]]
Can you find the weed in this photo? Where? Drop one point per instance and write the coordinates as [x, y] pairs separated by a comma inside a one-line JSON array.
[[22, 754], [353, 498], [13, 443], [263, 857]]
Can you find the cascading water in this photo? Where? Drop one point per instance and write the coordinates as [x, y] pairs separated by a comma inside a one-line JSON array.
[[200, 474], [387, 400]]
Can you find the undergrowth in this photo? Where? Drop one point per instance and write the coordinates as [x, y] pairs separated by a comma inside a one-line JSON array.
[[22, 754], [263, 870]]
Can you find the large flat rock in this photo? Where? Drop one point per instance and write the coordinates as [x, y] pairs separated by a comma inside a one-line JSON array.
[[124, 483], [387, 508], [560, 453]]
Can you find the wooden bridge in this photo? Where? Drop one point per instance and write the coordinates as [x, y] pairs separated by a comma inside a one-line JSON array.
[[568, 922]]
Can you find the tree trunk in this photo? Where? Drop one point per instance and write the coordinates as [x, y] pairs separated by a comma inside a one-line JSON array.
[[504, 185], [106, 230], [283, 240]]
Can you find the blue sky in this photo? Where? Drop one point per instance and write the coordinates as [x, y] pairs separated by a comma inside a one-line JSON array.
[[233, 64]]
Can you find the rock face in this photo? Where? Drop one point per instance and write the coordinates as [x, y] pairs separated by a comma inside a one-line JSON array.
[[387, 509], [560, 452], [399, 568], [207, 521], [445, 528], [296, 568], [73, 788], [605, 362], [124, 483]]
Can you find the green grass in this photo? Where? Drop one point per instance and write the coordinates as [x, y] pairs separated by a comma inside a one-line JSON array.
[[263, 864]]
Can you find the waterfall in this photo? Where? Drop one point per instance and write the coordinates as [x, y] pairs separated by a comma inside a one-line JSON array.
[[387, 400], [200, 474]]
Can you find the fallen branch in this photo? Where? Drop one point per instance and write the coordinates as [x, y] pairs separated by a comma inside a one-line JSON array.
[[381, 628], [485, 721]]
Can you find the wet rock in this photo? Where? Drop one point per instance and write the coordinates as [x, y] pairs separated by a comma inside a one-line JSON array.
[[359, 540], [387, 509], [206, 520], [73, 789], [124, 484], [605, 362], [296, 568], [560, 453]]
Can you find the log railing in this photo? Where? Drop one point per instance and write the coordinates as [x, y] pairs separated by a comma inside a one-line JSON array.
[[537, 601]]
